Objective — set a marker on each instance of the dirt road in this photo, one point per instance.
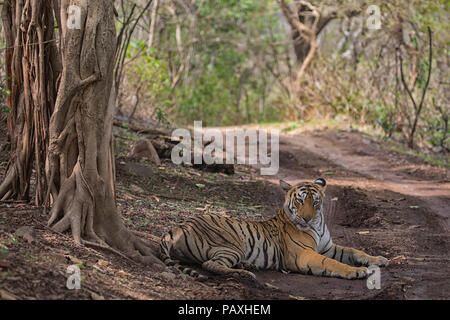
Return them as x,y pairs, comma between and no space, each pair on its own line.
378,201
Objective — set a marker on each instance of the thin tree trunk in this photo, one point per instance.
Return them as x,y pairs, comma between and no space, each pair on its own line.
136,104
154,18
417,106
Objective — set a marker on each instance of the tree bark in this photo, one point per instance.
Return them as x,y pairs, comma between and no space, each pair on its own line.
33,68
302,46
81,168
154,18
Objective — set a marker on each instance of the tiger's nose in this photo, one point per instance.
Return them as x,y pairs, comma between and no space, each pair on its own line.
307,219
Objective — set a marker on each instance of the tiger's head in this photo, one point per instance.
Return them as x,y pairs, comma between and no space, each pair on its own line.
303,202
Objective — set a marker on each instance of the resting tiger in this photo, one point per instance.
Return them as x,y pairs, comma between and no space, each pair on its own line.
296,240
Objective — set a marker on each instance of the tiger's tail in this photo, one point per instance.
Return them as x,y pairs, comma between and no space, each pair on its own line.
164,253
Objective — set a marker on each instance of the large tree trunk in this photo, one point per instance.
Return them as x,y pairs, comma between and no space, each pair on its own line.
32,69
80,167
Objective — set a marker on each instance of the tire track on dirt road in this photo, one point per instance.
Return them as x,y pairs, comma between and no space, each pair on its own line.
401,205
413,208
435,193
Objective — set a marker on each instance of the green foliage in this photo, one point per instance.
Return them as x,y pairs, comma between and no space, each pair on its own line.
4,250
292,126
435,132
5,109
222,83
81,266
384,118
225,90
146,70
4,93
231,62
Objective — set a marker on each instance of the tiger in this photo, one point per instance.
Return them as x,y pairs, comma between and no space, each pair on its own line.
295,240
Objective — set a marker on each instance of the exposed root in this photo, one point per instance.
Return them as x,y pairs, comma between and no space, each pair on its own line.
154,239
106,247
6,186
126,245
74,208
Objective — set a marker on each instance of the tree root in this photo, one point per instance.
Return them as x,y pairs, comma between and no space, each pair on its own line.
106,247
6,186
94,225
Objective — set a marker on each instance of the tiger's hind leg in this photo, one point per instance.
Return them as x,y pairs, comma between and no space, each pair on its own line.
175,266
222,263
246,266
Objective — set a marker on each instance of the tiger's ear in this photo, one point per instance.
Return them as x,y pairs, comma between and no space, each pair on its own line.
321,182
285,186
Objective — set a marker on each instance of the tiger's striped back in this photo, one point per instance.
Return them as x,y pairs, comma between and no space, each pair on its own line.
228,240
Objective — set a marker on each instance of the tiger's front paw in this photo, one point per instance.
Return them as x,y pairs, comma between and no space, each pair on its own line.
379,261
356,273
366,261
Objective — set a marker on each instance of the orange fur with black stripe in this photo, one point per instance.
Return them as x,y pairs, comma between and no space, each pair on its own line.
296,240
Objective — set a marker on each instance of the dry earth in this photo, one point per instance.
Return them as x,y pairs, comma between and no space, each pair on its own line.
382,202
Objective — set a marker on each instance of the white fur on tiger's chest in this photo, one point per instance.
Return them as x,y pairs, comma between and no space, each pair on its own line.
325,241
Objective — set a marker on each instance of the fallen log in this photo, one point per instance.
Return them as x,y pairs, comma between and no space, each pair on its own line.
160,144
141,129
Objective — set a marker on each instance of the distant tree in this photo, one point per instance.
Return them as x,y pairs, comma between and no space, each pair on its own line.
307,27
305,15
417,105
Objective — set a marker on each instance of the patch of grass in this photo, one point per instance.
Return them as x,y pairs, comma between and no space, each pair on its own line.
440,160
3,251
81,266
292,126
3,218
433,159
313,124
12,239
7,273
144,222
